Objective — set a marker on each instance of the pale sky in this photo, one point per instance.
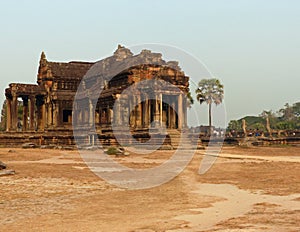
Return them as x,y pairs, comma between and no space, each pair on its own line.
252,46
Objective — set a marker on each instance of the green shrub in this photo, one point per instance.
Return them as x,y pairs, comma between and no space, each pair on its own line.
112,151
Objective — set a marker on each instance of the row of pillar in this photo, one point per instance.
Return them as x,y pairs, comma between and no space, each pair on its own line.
12,120
87,116
36,114
140,115
144,111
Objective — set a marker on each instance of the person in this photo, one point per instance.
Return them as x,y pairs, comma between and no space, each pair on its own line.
257,133
19,125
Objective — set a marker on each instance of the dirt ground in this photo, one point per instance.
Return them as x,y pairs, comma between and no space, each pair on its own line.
247,189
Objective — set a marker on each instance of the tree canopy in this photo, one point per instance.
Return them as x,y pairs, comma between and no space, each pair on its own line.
287,118
210,91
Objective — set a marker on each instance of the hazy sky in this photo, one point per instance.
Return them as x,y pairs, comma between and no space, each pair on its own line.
252,46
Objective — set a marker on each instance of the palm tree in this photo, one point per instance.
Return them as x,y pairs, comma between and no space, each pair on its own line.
190,100
210,91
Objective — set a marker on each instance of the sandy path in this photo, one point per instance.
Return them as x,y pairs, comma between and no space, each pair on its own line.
295,159
238,202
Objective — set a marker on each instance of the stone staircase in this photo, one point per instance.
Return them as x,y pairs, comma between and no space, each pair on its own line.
181,140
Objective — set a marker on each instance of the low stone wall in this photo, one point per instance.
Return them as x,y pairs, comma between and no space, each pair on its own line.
266,141
18,139
66,138
40,139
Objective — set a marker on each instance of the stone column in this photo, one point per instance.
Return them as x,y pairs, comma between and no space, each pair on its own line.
156,110
117,114
87,115
132,112
8,114
25,113
104,116
40,114
160,109
92,140
31,112
43,116
169,115
97,117
91,113
50,114
180,112
14,111
56,118
173,115
80,117
184,112
100,116
146,113
108,115
83,116
139,112
75,114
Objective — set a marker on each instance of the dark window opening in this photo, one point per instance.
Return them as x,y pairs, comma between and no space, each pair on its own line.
67,116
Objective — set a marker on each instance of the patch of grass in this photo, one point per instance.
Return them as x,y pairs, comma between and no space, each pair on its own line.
112,151
280,145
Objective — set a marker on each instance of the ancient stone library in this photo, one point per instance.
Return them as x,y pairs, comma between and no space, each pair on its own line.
43,113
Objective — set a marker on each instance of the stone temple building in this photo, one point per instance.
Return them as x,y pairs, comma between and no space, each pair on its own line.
48,107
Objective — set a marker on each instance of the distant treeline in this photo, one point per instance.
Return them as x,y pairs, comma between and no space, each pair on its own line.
287,118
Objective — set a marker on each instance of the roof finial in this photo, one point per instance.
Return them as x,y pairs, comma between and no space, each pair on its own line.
43,60
122,53
43,56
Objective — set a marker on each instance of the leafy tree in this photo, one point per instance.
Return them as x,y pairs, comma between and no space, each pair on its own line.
252,120
296,110
234,125
266,114
287,112
287,118
210,91
258,126
273,118
285,125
